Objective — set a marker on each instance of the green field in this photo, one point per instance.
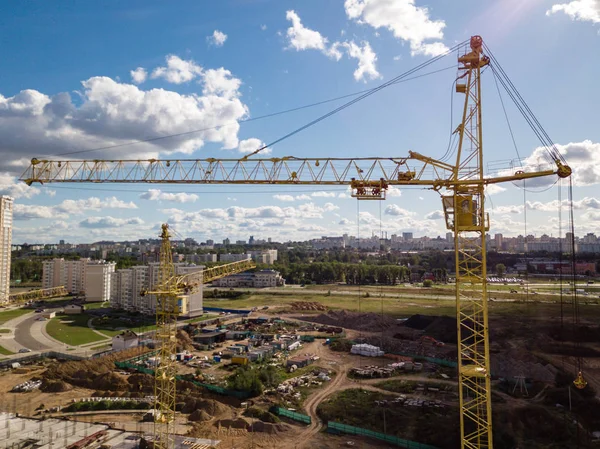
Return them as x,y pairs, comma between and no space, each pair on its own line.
14,313
5,351
4,331
74,331
201,318
400,307
96,305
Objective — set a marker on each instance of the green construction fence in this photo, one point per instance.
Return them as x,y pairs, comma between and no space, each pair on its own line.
279,411
334,427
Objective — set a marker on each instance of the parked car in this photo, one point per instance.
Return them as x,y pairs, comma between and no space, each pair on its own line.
42,318
23,350
39,310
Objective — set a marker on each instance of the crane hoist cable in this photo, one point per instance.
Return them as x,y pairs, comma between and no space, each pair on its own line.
356,100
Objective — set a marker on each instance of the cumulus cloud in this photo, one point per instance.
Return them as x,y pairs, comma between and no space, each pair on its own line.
93,203
217,39
286,198
584,10
344,222
328,207
507,209
435,215
367,60
177,70
493,189
112,113
252,144
396,210
30,212
11,186
583,158
302,38
158,195
109,222
139,75
323,194
263,27
406,21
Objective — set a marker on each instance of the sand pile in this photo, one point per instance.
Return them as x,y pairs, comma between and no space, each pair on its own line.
268,427
55,386
209,406
184,342
238,423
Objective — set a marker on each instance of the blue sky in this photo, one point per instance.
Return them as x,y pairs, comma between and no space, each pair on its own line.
80,75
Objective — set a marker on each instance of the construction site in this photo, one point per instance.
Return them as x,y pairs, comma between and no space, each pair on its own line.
480,365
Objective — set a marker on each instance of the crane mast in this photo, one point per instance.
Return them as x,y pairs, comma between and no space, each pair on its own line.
465,215
369,178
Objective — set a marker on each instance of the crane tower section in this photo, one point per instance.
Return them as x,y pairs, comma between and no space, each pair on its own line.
465,215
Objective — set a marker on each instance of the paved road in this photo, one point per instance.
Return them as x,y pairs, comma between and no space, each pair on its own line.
27,334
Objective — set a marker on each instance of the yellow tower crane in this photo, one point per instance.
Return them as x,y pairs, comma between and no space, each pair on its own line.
369,178
168,293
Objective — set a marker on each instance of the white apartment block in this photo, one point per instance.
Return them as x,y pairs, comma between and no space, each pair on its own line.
265,256
6,218
86,277
260,279
128,284
233,257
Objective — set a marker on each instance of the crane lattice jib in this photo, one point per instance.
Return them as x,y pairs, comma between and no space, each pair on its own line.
369,178
414,170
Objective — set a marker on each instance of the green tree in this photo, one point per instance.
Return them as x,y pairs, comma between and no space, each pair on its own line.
500,269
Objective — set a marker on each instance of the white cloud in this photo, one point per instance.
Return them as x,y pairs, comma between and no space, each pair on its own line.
323,194
493,189
11,186
109,222
404,19
30,212
139,75
302,38
158,195
110,113
328,207
393,191
286,198
583,158
263,27
367,60
507,209
584,10
217,39
178,70
344,222
396,210
93,203
303,197
252,144
553,206
435,215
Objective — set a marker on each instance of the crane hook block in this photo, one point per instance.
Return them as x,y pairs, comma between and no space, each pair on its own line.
580,382
563,171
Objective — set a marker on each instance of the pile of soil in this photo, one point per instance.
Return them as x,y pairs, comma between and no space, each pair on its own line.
199,415
208,406
238,423
54,386
109,381
357,321
307,305
184,342
442,328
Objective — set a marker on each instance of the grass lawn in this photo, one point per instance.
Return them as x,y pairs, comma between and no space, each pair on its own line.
5,351
97,305
4,331
14,313
74,331
98,347
402,307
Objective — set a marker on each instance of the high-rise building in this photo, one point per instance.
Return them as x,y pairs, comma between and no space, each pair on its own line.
406,236
80,277
6,217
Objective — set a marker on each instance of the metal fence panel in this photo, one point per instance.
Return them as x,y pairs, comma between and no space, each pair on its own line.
345,428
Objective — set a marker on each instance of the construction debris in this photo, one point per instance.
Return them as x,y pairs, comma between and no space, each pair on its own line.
306,305
26,386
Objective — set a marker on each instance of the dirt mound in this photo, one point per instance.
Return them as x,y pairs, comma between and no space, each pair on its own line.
208,406
55,386
306,305
199,415
184,342
109,381
357,321
84,373
269,428
141,382
238,423
442,328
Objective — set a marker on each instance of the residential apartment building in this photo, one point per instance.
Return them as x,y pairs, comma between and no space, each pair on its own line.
260,279
87,277
128,284
6,218
265,256
233,257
